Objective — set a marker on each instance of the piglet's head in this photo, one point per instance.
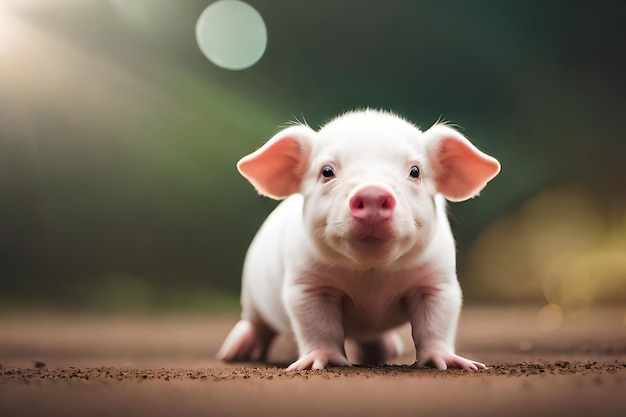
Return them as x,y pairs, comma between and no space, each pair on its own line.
369,180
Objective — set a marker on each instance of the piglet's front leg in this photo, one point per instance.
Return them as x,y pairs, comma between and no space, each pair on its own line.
316,320
434,313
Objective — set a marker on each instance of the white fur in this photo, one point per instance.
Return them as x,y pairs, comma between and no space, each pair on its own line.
314,272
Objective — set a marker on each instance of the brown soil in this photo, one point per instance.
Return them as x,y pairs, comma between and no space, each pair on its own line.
64,365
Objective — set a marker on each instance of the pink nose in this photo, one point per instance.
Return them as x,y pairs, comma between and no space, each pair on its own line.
372,204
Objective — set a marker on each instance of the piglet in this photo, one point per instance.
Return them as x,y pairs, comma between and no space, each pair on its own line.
360,245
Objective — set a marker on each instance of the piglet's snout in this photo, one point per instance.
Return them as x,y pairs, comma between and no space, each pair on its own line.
372,204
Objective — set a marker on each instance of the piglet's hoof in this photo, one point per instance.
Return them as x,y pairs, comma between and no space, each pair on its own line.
320,359
444,361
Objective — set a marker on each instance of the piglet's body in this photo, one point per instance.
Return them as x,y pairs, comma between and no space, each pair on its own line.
361,243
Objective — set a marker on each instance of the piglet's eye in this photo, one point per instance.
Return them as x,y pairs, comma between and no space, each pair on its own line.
328,172
414,172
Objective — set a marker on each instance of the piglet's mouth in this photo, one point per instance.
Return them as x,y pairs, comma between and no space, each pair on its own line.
372,240
373,235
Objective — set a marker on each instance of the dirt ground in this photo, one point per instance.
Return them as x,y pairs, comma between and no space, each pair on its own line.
76,365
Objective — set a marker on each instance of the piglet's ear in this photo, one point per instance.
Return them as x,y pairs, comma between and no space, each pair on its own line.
276,169
461,170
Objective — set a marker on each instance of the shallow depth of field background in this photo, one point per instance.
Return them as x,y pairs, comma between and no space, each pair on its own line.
119,139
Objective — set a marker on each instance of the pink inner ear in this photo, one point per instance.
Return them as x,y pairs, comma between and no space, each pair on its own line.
461,170
277,168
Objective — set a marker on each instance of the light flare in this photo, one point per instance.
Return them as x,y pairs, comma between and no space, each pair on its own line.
231,34
565,246
550,317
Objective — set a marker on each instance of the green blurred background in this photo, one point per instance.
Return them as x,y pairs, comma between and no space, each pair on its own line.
119,139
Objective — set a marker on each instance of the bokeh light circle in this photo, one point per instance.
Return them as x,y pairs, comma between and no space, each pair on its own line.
231,34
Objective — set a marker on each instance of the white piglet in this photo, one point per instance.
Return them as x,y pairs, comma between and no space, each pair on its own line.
361,244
